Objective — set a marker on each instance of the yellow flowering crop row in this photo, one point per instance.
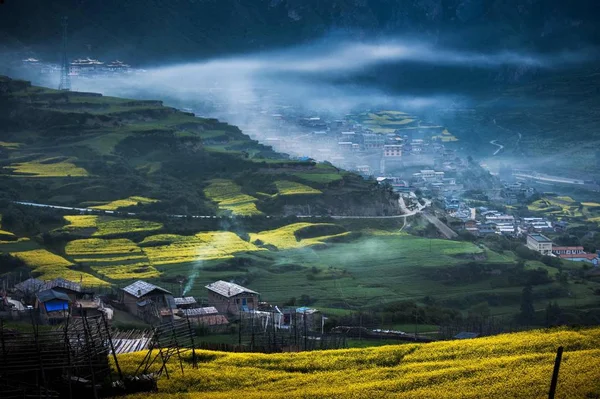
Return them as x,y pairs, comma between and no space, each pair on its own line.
45,168
115,259
108,226
284,238
229,196
285,187
506,366
171,248
122,203
50,266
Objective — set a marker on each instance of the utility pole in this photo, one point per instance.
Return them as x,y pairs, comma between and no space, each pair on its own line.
65,77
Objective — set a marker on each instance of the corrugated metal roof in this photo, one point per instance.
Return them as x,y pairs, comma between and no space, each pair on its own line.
186,300
61,283
29,285
228,290
141,288
48,295
200,311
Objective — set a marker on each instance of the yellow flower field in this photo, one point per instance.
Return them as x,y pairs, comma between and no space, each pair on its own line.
166,249
123,203
229,196
10,146
284,238
51,266
48,168
116,259
505,366
108,226
285,187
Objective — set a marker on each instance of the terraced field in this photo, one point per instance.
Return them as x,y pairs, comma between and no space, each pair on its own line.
100,226
285,187
229,196
285,237
49,266
48,167
566,207
505,366
165,249
116,259
123,203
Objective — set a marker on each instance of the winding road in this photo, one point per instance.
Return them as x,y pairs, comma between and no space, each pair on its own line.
500,146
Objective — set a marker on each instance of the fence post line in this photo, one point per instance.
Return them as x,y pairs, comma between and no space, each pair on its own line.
554,381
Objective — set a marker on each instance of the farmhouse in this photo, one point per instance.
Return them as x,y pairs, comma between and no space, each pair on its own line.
539,243
186,302
149,302
231,298
73,290
392,150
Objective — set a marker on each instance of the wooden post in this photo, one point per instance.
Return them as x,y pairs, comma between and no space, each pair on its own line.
112,347
554,381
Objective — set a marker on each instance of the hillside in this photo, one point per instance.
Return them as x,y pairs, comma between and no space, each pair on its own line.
505,366
87,150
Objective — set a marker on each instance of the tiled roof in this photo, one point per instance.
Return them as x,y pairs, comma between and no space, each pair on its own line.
228,290
29,285
61,283
141,288
578,248
200,311
186,300
578,256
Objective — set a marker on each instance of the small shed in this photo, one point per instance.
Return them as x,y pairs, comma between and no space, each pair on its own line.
53,306
186,302
231,298
207,316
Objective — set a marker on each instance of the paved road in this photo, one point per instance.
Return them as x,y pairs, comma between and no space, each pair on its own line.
500,146
106,212
445,230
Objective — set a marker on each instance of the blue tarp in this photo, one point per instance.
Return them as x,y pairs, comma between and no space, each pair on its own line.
56,305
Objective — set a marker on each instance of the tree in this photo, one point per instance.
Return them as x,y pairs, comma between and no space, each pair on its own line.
527,314
553,314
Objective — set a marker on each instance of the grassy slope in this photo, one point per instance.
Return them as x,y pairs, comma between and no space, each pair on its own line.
511,365
70,148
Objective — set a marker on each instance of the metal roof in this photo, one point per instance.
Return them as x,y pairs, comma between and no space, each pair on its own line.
61,283
141,288
186,300
48,295
228,290
200,311
29,285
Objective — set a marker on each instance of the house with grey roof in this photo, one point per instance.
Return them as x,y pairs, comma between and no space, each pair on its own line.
231,298
53,306
149,302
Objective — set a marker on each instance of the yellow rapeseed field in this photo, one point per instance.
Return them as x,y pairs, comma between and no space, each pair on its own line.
285,187
117,259
105,226
4,233
123,203
50,266
229,196
165,249
48,168
506,366
284,238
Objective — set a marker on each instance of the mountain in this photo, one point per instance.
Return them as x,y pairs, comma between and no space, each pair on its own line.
146,31
85,149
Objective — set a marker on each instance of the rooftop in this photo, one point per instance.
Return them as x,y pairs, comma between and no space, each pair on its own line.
29,285
49,295
141,288
186,300
209,310
60,283
228,290
540,237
